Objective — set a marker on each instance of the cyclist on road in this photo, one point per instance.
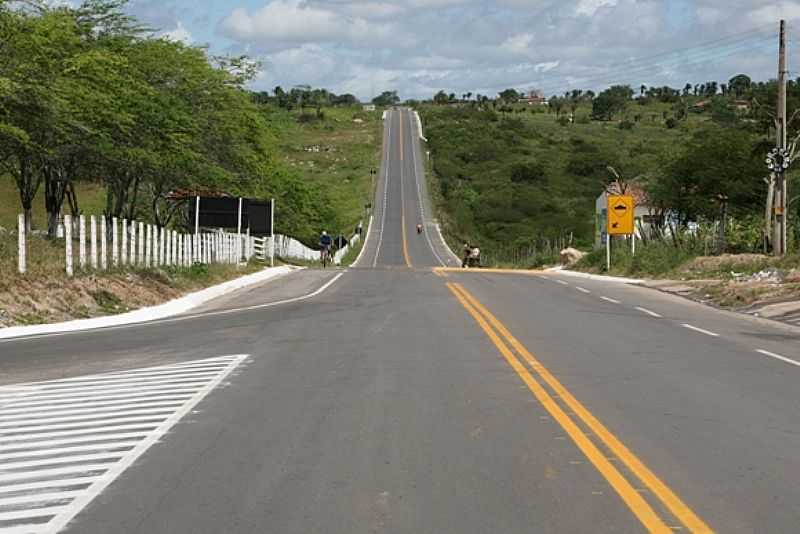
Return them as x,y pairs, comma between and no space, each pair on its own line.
325,245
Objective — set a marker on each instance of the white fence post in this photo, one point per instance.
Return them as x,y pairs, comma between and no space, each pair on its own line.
124,242
82,241
163,244
167,247
93,242
140,255
21,246
156,247
103,243
114,243
68,242
148,247
133,258
247,247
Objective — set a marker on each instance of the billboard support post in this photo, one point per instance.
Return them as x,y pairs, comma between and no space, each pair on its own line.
197,216
239,234
272,233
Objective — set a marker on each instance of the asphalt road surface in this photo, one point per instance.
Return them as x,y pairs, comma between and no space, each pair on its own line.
394,397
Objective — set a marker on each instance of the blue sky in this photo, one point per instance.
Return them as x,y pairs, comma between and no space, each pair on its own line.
420,46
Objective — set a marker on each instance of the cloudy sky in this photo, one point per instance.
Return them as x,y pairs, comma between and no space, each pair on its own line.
421,46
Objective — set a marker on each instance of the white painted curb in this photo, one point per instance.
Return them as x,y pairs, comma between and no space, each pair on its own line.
446,246
363,243
598,277
168,309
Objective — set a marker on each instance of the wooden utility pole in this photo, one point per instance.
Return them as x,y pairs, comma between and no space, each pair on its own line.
779,202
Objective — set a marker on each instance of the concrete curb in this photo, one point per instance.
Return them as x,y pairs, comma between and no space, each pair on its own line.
598,277
168,309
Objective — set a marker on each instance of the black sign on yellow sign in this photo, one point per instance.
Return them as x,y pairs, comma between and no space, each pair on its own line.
620,215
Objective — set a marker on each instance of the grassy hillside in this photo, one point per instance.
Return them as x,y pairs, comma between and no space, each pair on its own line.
521,182
332,155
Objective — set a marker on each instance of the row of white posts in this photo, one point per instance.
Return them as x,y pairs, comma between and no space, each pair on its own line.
142,245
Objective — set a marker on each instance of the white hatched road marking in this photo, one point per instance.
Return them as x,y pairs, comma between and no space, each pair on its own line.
63,441
583,290
562,282
612,301
648,312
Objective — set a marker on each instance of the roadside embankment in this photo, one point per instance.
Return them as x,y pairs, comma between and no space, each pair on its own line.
45,294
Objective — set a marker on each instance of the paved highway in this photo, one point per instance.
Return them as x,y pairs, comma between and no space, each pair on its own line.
405,396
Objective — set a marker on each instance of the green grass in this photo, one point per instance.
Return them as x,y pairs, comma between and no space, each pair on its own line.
348,150
91,200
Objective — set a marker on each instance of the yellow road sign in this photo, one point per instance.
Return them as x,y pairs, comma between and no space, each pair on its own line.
620,215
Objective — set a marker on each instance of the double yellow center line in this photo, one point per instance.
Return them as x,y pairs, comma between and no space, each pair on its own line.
505,342
402,200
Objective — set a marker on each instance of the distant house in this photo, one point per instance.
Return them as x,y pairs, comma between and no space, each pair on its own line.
701,105
644,220
369,107
742,105
533,98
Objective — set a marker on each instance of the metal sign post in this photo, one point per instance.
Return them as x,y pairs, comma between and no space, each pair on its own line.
272,233
619,215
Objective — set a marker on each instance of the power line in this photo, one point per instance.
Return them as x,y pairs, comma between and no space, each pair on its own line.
549,84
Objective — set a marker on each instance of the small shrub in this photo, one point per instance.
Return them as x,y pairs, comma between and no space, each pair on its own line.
671,123
626,125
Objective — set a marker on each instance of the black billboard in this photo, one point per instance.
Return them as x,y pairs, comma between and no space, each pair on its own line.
223,212
259,217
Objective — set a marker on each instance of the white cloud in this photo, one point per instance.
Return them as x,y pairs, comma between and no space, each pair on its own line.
518,44
283,22
421,46
180,33
775,11
590,7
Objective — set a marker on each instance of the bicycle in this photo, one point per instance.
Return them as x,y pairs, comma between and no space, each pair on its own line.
325,257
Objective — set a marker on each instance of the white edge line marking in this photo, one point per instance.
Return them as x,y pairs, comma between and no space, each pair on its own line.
778,357
648,312
612,301
183,317
706,332
64,517
364,243
387,155
414,148
582,290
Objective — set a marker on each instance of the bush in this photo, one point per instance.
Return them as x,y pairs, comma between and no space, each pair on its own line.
626,125
527,173
671,123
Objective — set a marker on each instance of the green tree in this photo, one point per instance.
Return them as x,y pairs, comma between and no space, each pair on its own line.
509,95
611,102
739,85
386,98
441,98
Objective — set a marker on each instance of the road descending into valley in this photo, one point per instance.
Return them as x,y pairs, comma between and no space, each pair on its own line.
404,395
